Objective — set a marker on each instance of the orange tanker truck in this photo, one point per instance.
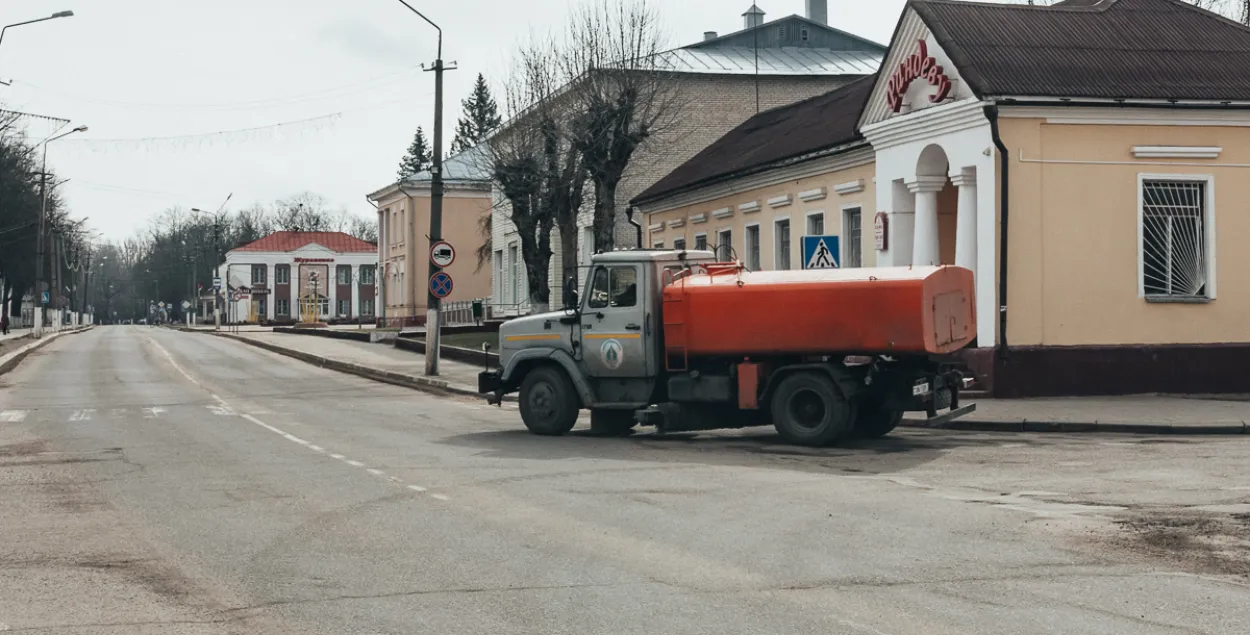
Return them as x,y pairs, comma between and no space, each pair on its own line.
679,341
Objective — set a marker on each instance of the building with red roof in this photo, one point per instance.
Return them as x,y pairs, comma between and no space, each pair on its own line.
280,277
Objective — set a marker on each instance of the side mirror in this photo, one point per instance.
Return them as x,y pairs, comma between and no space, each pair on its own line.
570,293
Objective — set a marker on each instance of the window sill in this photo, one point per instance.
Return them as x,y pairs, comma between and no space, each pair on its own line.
1163,299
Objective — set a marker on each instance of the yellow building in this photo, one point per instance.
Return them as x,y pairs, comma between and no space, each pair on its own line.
1091,174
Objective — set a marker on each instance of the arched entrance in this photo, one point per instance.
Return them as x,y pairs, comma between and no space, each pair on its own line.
936,203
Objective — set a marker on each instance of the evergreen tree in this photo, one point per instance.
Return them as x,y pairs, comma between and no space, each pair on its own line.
481,116
419,157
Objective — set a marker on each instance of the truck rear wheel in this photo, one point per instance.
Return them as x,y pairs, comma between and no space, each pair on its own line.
874,421
809,410
549,403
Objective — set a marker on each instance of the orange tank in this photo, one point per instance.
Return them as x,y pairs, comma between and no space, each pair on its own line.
887,311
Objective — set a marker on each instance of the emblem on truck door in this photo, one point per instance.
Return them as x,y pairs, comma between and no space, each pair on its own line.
613,354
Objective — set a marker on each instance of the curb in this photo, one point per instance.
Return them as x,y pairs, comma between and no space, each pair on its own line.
10,361
1075,426
433,386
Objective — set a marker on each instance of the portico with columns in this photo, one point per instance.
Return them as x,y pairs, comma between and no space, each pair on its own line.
935,167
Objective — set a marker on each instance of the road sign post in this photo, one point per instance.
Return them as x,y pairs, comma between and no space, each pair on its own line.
442,254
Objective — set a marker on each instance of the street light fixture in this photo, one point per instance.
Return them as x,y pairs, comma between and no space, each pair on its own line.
58,14
432,320
43,213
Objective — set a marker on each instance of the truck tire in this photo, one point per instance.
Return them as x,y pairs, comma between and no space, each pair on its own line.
873,421
809,410
549,403
612,423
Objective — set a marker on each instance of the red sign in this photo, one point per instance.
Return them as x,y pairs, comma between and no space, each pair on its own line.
918,66
881,230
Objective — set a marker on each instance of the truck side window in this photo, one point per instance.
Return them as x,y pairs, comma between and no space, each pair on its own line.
614,287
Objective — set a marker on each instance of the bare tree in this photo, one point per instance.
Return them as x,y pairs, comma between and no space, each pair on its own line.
622,94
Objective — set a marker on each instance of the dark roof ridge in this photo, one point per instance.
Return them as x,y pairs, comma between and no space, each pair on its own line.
1063,6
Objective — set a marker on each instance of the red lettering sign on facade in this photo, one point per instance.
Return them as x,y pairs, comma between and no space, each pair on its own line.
313,260
917,66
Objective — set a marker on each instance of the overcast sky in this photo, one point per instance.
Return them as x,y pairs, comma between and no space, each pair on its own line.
147,76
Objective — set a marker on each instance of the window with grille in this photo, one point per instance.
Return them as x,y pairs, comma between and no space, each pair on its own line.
816,224
700,241
724,245
1174,261
343,274
284,308
345,308
781,255
259,274
679,244
368,274
366,308
753,247
852,233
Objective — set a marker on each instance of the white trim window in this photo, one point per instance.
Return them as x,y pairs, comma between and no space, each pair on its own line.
679,244
1176,238
499,279
725,245
514,272
751,245
781,243
852,237
816,224
700,241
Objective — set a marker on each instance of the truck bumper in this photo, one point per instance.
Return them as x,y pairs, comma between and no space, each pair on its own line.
489,381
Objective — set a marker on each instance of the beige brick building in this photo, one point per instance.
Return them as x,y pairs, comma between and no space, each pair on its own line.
718,83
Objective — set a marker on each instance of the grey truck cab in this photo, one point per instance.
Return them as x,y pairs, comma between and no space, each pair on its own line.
602,352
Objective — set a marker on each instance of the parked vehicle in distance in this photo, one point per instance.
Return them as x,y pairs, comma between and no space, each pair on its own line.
679,341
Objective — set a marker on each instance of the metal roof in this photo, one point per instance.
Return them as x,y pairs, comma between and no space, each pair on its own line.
783,61
471,165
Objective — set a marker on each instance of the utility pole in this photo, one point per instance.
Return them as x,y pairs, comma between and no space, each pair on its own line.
40,261
432,318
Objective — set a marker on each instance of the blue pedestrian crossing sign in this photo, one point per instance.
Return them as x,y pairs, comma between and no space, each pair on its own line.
43,297
820,252
441,285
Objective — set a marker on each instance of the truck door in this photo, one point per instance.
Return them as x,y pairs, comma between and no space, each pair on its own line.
614,333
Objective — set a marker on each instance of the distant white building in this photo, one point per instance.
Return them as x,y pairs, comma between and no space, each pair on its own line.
724,81
331,271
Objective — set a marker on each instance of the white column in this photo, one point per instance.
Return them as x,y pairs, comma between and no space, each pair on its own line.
332,289
966,221
270,286
925,246
356,291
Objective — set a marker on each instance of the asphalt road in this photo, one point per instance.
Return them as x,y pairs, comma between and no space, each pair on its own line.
154,481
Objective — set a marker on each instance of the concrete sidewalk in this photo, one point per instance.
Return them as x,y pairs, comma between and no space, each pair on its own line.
1146,414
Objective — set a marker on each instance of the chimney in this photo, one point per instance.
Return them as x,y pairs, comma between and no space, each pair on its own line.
818,11
753,17
709,35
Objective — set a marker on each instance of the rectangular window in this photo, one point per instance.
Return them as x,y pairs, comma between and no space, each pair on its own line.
725,245
343,274
366,308
499,299
345,308
282,274
816,224
1175,218
325,306
368,274
700,241
515,270
259,274
262,309
804,34
753,247
781,251
679,244
283,308
852,237
615,287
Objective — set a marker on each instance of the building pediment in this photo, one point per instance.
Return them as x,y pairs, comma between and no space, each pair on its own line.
917,74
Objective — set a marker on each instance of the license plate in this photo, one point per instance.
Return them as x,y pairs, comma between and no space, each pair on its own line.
920,389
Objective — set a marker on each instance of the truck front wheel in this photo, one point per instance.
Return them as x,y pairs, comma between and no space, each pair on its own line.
549,403
809,410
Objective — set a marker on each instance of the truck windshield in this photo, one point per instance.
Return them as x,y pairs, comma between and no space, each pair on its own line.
614,287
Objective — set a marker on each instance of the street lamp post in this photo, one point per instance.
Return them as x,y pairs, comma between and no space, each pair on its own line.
432,325
43,214
216,256
58,14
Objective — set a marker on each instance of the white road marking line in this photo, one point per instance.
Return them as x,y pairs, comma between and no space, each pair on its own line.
82,415
355,464
117,413
153,413
173,363
396,480
220,410
317,448
337,456
416,488
376,472
439,497
13,416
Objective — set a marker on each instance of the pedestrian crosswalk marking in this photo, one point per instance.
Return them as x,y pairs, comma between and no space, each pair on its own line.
82,415
152,413
13,416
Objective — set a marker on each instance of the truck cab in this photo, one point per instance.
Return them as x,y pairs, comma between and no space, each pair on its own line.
605,347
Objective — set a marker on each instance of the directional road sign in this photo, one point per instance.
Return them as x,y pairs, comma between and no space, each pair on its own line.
162,305
820,252
186,305
442,254
441,285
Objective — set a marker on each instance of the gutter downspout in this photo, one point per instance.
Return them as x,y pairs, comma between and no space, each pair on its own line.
379,311
629,215
991,113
